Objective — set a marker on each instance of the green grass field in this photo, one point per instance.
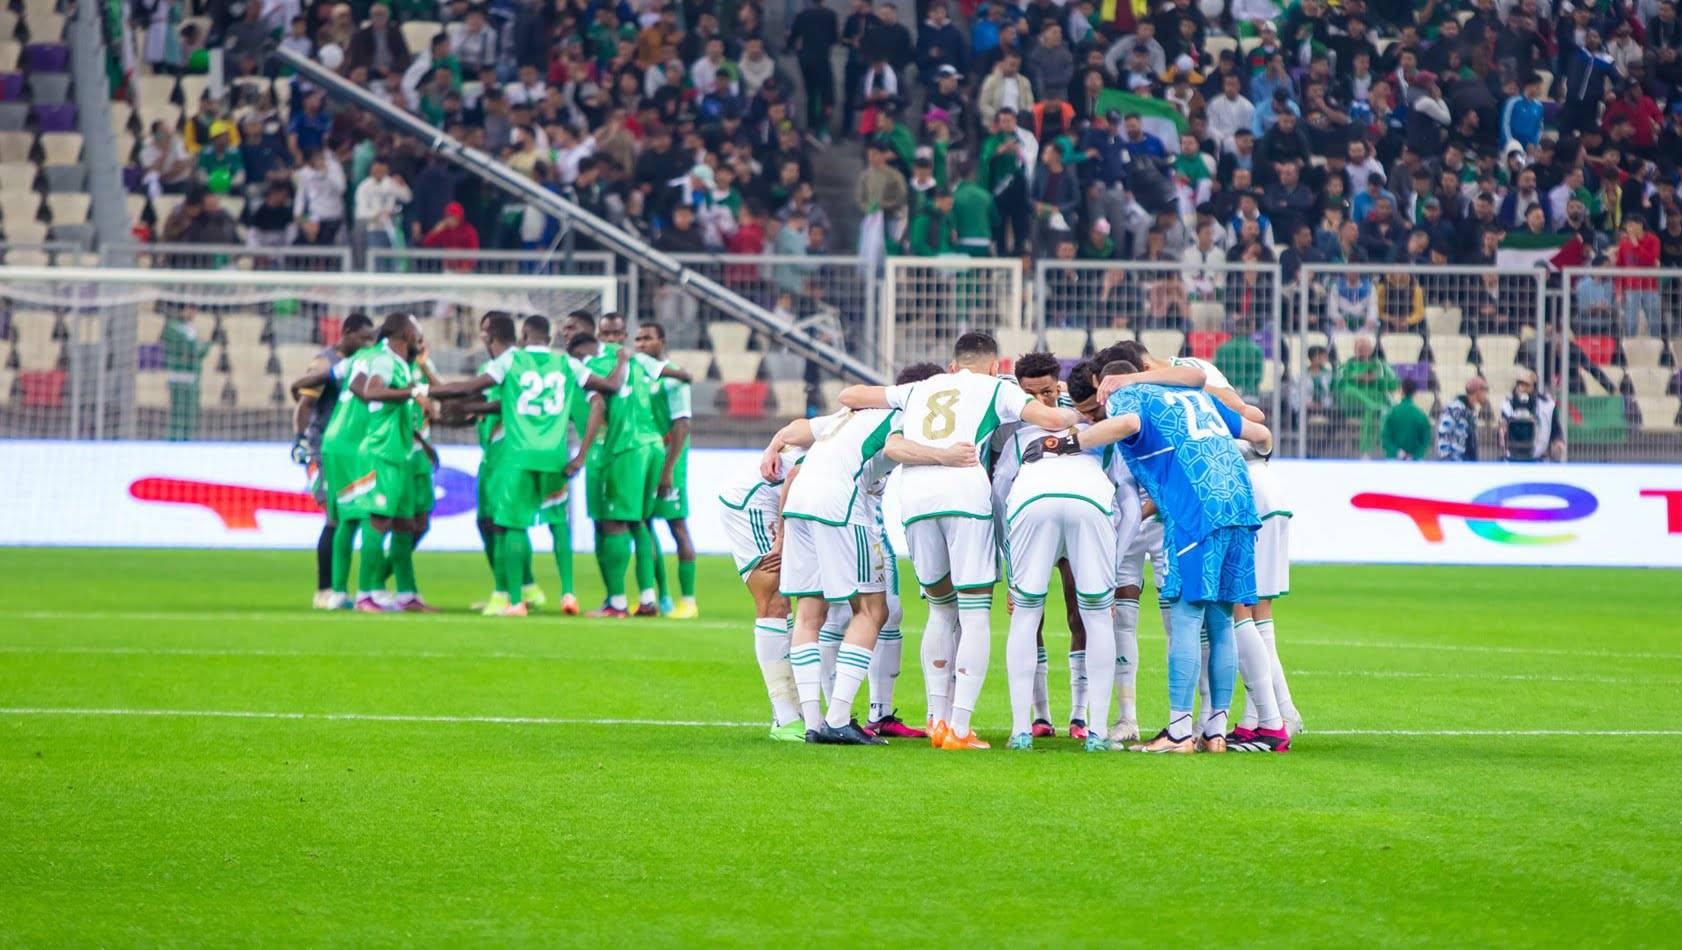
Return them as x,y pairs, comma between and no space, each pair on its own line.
189,757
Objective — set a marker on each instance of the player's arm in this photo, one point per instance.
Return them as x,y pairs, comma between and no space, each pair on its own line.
1229,397
463,387
865,397
315,379
797,433
1051,418
672,371
1242,427
612,381
592,429
906,452
675,437
374,389
1109,431
1189,376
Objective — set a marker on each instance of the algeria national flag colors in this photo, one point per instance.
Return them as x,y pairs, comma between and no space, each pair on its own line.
1158,117
1521,249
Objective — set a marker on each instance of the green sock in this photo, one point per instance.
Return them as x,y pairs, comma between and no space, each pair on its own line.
344,548
614,555
488,538
513,561
525,572
562,533
659,558
686,577
403,561
644,540
371,577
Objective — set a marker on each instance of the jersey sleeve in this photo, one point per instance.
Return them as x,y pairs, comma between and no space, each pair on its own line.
653,367
498,368
899,395
576,367
1213,377
380,365
1234,421
344,370
822,424
1009,400
1124,401
679,403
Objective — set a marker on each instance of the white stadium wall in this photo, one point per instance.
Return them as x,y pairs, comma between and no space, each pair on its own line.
239,495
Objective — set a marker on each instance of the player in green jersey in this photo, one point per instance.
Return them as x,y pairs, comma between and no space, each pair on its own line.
671,496
317,406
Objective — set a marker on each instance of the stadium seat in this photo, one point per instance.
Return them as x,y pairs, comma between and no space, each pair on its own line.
1642,350
1162,344
8,381
255,392
235,206
1452,348
1424,400
1452,376
1343,344
1204,343
88,329
1658,413
1497,351
1547,82
16,146
1402,347
151,390
1215,45
418,35
1650,380
1600,349
783,366
18,176
727,337
1437,322
27,257
1500,377
1065,342
790,395
193,89
243,330
33,332
295,359
10,52
65,177
214,390
829,394
69,207
283,94
704,398
1208,316
126,143
167,112
694,362
20,207
163,205
41,389
45,26
49,87
122,114
148,327
745,400
738,368
1014,343
61,148
136,207
151,92
14,116
1246,44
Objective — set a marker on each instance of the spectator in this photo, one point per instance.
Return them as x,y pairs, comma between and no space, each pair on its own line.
881,188
1352,304
1362,388
1055,193
1407,429
1051,66
221,168
1229,112
1006,172
1381,233
453,232
1457,430
378,198
1318,379
1589,71
939,45
1143,38
166,166
269,223
248,36
974,215
1638,295
931,230
378,46
1401,302
1529,429
1521,116
1004,88
814,32
887,40
321,194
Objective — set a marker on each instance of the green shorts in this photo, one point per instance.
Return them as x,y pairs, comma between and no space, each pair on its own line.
486,506
339,474
393,494
674,504
629,482
522,498
425,497
553,492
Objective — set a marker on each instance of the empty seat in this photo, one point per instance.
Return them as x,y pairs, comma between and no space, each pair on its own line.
126,143
738,368
790,396
830,393
61,148
27,257
1162,344
168,113
19,207
64,178
243,330
69,207
1650,380
10,51
1402,347
122,114
25,232
745,400
1066,342
16,146
163,205
1452,376
136,207
79,234
36,348
234,205
18,176
783,366
1497,350
149,91
1014,343
1658,413
1438,321
49,87
694,362
151,390
14,116
418,35
1204,343
148,327
1216,45
1207,316
295,359
1599,349
215,390
259,392
1500,377
45,26
1642,350
8,381
727,336
193,89
1450,349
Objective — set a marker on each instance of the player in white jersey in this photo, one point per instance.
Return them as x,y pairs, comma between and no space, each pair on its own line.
948,515
753,522
1267,698
829,554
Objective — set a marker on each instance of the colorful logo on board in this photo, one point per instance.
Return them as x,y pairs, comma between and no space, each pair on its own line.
238,505
1486,513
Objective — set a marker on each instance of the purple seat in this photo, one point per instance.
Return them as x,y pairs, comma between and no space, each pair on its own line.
151,356
1420,373
60,117
46,58
1066,363
11,87
1264,339
134,178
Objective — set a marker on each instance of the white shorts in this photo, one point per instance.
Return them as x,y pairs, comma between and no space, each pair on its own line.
830,561
1273,557
751,531
1130,561
1048,529
949,546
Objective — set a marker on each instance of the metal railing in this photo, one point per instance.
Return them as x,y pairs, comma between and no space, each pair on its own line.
177,256
1612,356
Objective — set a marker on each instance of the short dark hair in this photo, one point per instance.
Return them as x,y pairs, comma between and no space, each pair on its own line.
354,322
1037,365
585,317
1131,351
1080,382
580,340
538,324
499,326
1316,350
975,343
1119,368
394,323
659,331
1409,387
916,373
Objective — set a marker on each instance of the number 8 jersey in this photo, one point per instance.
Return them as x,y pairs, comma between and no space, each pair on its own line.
541,395
940,412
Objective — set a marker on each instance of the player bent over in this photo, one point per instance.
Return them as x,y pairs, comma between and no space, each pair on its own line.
948,515
330,421
753,522
1178,443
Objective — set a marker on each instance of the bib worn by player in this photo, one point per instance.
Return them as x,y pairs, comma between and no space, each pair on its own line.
947,512
540,396
623,468
388,442
829,549
673,401
341,440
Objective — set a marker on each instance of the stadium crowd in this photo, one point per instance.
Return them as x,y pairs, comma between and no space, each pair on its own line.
1361,131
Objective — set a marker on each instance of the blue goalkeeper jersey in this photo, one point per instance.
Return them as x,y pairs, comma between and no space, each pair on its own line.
1184,456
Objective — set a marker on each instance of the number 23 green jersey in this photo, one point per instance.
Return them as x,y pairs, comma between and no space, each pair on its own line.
541,396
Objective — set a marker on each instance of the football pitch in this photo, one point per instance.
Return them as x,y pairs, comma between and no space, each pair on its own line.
189,756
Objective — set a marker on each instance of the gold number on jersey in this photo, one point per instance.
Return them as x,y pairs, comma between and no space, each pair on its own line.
942,417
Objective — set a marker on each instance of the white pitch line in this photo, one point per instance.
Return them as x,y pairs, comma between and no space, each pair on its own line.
700,723
1497,677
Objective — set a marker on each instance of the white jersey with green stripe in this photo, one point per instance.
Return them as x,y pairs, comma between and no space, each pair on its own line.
1080,476
842,469
749,492
1261,480
940,412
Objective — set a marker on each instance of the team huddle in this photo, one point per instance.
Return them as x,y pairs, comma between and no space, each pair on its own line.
1127,457
622,417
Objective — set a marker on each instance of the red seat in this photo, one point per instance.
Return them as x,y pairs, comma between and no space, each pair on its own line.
42,389
330,329
1204,343
745,400
1600,349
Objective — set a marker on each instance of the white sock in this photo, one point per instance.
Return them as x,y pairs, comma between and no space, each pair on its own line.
974,648
1020,652
1256,666
936,653
1216,723
829,642
1042,693
1077,685
1281,689
804,660
1127,659
1100,652
1179,724
770,648
647,597
618,602
884,669
852,665
1202,725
